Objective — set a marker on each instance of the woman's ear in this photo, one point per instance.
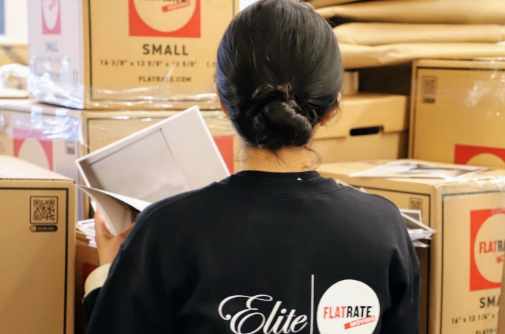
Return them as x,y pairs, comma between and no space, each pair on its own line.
333,112
225,110
328,116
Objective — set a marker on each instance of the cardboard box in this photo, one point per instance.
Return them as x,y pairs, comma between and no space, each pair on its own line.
372,126
457,111
92,54
54,137
466,254
38,249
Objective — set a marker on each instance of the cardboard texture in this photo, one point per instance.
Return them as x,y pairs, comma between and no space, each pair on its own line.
92,54
38,249
393,33
13,52
54,137
327,3
457,111
421,11
370,126
462,279
360,56
351,83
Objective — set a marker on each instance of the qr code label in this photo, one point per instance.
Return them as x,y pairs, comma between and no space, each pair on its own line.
44,210
429,89
416,203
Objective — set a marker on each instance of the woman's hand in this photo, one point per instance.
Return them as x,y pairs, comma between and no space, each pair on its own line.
107,243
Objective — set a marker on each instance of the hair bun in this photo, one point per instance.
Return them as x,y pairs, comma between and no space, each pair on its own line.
279,123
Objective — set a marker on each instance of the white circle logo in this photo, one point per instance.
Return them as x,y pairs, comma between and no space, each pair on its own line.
348,306
489,248
32,151
486,159
50,10
165,16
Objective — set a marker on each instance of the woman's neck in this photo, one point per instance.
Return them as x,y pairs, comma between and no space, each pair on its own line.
298,159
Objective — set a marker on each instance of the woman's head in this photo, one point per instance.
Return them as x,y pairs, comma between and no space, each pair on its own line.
279,73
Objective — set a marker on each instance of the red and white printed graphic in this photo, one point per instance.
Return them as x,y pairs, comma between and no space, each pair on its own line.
348,306
479,155
165,18
225,147
32,146
487,251
51,17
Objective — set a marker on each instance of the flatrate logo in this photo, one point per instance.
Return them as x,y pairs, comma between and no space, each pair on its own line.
487,249
175,18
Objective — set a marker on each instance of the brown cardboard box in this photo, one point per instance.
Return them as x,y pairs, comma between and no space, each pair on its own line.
37,249
93,54
365,33
457,112
372,126
363,56
466,254
420,11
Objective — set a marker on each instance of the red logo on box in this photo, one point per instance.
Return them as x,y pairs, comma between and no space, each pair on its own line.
51,17
487,248
27,145
464,153
169,18
225,146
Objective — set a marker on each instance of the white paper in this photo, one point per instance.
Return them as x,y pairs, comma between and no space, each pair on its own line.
417,230
412,169
115,208
413,221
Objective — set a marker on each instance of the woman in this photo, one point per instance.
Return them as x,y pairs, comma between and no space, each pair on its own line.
275,248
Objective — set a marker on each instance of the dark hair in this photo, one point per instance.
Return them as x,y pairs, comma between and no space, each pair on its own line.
279,72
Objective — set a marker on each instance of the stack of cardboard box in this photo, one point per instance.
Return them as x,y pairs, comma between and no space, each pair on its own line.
100,71
111,68
456,116
457,105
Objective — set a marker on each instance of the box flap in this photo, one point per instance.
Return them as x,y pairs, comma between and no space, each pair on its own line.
337,170
475,63
388,113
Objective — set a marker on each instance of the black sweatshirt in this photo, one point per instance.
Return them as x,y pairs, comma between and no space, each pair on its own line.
263,253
